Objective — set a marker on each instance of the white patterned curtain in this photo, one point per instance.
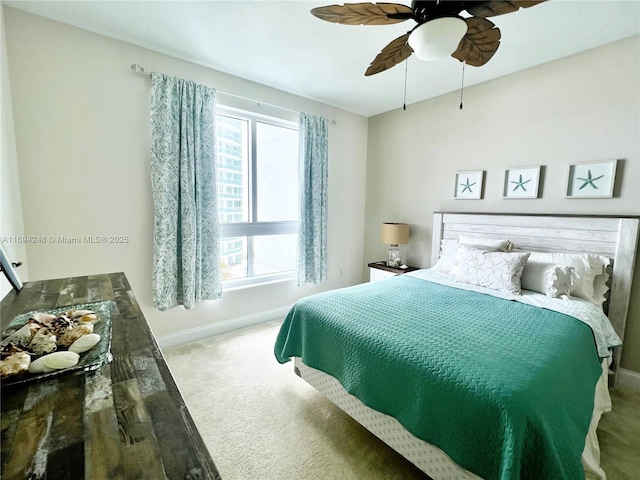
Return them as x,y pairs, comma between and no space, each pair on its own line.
186,235
313,140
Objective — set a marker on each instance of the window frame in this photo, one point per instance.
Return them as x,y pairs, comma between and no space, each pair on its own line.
252,227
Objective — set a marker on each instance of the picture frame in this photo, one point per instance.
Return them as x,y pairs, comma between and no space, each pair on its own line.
521,182
591,179
469,185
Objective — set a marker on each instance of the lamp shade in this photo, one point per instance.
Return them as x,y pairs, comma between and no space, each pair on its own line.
438,38
395,233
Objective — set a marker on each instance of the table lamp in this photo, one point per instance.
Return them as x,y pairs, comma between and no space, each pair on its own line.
394,234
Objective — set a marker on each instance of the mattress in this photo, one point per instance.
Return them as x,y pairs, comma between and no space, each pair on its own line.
471,382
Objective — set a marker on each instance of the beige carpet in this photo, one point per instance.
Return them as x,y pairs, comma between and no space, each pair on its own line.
261,421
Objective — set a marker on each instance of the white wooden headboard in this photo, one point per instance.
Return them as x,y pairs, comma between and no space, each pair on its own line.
613,237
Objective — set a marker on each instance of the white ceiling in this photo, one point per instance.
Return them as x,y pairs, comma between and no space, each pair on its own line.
280,44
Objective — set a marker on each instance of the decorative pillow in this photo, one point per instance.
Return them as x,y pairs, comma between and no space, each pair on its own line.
496,270
493,244
448,249
548,278
590,270
560,280
486,244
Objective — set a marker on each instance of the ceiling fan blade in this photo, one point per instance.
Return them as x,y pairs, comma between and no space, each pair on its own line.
364,13
479,44
394,53
495,8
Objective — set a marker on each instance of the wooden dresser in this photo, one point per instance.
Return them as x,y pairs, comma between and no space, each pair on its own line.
125,420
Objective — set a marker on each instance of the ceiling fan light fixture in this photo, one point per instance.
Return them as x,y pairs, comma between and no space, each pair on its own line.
437,38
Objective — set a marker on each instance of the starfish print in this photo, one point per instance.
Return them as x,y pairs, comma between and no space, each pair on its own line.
589,180
520,184
467,186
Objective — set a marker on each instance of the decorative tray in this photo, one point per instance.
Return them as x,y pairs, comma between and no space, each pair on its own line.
92,359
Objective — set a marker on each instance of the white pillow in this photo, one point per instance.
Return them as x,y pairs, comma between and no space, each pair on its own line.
496,270
590,270
448,249
487,244
600,287
548,278
560,281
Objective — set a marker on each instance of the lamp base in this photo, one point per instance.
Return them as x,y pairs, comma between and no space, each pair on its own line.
393,260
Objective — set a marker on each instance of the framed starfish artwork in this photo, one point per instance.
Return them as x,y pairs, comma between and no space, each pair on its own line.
591,180
469,185
521,182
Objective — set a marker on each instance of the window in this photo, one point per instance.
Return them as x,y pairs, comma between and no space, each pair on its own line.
258,197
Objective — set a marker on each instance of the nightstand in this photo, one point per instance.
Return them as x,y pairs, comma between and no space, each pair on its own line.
380,270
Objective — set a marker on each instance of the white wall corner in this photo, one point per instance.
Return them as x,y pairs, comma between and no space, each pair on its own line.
629,378
11,214
217,328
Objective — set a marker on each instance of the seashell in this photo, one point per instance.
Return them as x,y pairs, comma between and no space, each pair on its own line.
84,343
75,333
89,318
54,361
11,348
22,336
60,360
79,313
16,364
43,318
34,326
37,366
43,342
60,326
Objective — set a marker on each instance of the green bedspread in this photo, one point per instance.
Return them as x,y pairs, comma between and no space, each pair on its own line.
505,389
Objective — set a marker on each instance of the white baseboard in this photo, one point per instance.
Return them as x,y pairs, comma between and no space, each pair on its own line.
629,378
225,326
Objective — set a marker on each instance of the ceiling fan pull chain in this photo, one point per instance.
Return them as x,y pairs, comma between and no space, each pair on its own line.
406,66
462,87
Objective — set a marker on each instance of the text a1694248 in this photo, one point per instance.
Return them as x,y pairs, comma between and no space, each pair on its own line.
65,239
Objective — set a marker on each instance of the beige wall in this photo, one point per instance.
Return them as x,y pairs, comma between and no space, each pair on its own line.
582,108
82,135
11,221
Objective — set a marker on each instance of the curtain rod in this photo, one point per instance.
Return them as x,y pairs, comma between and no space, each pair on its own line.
140,69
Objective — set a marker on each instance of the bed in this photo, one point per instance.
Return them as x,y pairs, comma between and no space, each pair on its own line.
469,380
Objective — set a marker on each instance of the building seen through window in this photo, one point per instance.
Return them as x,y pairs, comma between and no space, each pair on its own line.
258,196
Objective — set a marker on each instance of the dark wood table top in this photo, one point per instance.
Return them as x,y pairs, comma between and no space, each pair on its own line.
125,420
382,265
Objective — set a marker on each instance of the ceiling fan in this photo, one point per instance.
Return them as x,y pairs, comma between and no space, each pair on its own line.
440,30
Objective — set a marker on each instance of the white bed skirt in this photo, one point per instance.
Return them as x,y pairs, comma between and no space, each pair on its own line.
427,457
